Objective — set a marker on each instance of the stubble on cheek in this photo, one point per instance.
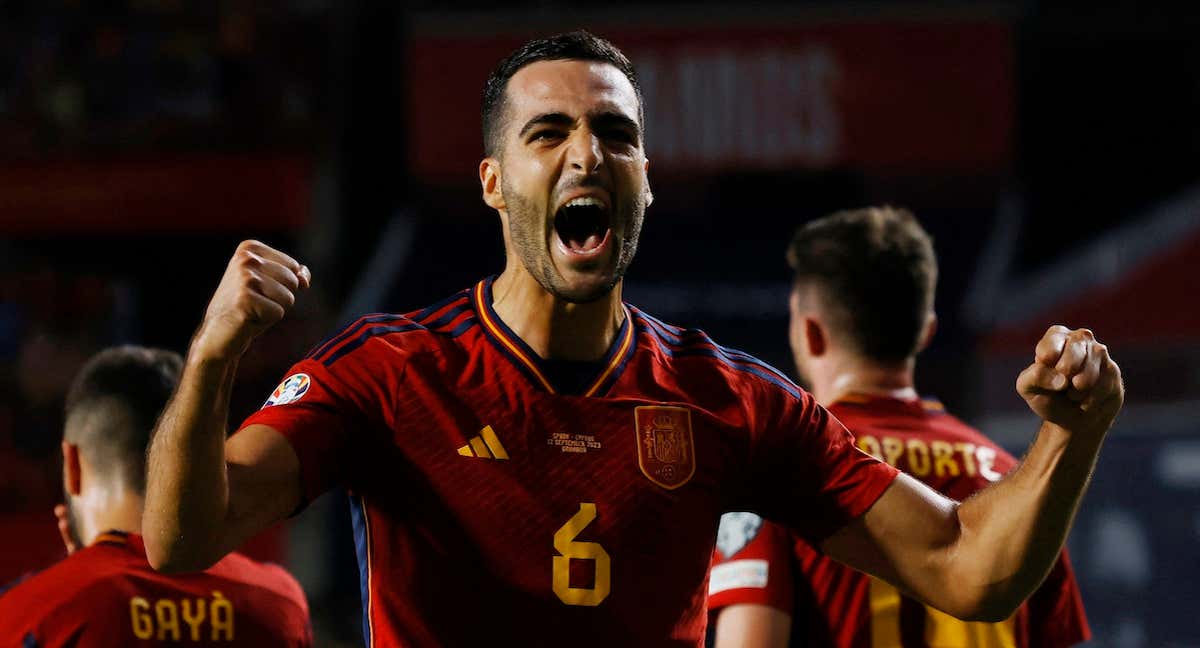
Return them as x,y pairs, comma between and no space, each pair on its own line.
529,241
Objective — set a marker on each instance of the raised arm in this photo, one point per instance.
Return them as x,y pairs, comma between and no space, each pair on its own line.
206,496
980,559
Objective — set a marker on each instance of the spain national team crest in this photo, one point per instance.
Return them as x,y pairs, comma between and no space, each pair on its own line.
292,389
666,453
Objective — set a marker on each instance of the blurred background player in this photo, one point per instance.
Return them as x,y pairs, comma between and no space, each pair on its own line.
861,309
105,593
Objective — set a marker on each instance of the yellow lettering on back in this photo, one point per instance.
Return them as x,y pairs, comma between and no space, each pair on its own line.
168,619
918,458
885,614
195,620
139,613
967,452
941,629
943,459
892,449
870,445
987,460
221,616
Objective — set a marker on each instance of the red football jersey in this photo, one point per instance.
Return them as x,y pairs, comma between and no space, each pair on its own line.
108,595
833,605
492,508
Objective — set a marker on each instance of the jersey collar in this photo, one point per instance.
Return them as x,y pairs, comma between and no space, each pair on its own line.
921,404
113,537
530,364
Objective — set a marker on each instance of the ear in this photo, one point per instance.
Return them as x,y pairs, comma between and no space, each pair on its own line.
72,470
489,179
649,194
815,338
931,324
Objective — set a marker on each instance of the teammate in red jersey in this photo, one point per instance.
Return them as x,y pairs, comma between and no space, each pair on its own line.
536,463
105,593
861,310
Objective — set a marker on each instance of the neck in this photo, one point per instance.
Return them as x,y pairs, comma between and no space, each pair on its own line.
117,509
857,376
554,328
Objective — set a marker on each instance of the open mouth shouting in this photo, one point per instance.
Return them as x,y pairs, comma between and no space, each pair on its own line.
583,228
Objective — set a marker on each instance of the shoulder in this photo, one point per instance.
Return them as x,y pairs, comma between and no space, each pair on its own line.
77,578
677,347
264,577
383,335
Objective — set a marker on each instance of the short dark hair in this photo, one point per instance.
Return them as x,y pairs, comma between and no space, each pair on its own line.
121,392
577,45
876,269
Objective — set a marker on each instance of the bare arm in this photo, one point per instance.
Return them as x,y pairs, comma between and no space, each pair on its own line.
752,625
205,496
980,559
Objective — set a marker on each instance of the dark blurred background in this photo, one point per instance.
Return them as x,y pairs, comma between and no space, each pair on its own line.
1053,150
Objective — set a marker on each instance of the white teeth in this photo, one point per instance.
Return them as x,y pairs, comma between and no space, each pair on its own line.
584,201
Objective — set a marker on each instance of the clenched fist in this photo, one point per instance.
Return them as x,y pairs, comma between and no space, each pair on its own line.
257,290
1072,382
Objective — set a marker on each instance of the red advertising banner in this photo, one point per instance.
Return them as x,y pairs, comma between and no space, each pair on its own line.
199,193
891,97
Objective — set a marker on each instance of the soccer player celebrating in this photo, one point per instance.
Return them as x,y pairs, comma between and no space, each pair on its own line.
861,309
535,462
105,593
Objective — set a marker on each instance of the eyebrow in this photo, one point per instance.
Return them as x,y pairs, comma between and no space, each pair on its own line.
606,118
619,120
548,119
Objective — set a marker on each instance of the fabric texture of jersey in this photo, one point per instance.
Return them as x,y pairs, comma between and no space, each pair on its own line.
490,507
107,595
834,606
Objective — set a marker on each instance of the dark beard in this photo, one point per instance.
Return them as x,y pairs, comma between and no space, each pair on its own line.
530,247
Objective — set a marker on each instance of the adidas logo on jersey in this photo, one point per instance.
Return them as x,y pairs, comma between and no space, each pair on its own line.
485,445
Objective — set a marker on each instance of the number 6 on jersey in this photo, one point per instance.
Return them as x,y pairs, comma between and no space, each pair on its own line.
564,543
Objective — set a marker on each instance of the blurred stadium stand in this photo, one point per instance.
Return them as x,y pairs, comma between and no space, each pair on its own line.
1051,148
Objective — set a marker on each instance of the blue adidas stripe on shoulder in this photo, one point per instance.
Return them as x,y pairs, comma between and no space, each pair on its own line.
675,346
381,318
348,331
424,313
358,335
700,337
448,317
366,334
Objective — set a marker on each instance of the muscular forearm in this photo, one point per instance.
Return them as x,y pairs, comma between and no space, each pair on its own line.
1012,532
980,559
187,489
193,514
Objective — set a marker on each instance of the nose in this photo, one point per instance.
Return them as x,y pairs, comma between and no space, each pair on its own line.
583,152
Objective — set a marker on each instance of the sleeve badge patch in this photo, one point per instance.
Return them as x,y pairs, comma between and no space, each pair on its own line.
736,531
292,389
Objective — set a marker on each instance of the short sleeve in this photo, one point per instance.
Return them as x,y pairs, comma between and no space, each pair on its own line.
1055,611
322,412
751,564
805,471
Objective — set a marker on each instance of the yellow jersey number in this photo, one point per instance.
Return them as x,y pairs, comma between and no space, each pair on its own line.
568,548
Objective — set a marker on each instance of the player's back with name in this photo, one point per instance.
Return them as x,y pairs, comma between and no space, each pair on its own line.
922,439
108,595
